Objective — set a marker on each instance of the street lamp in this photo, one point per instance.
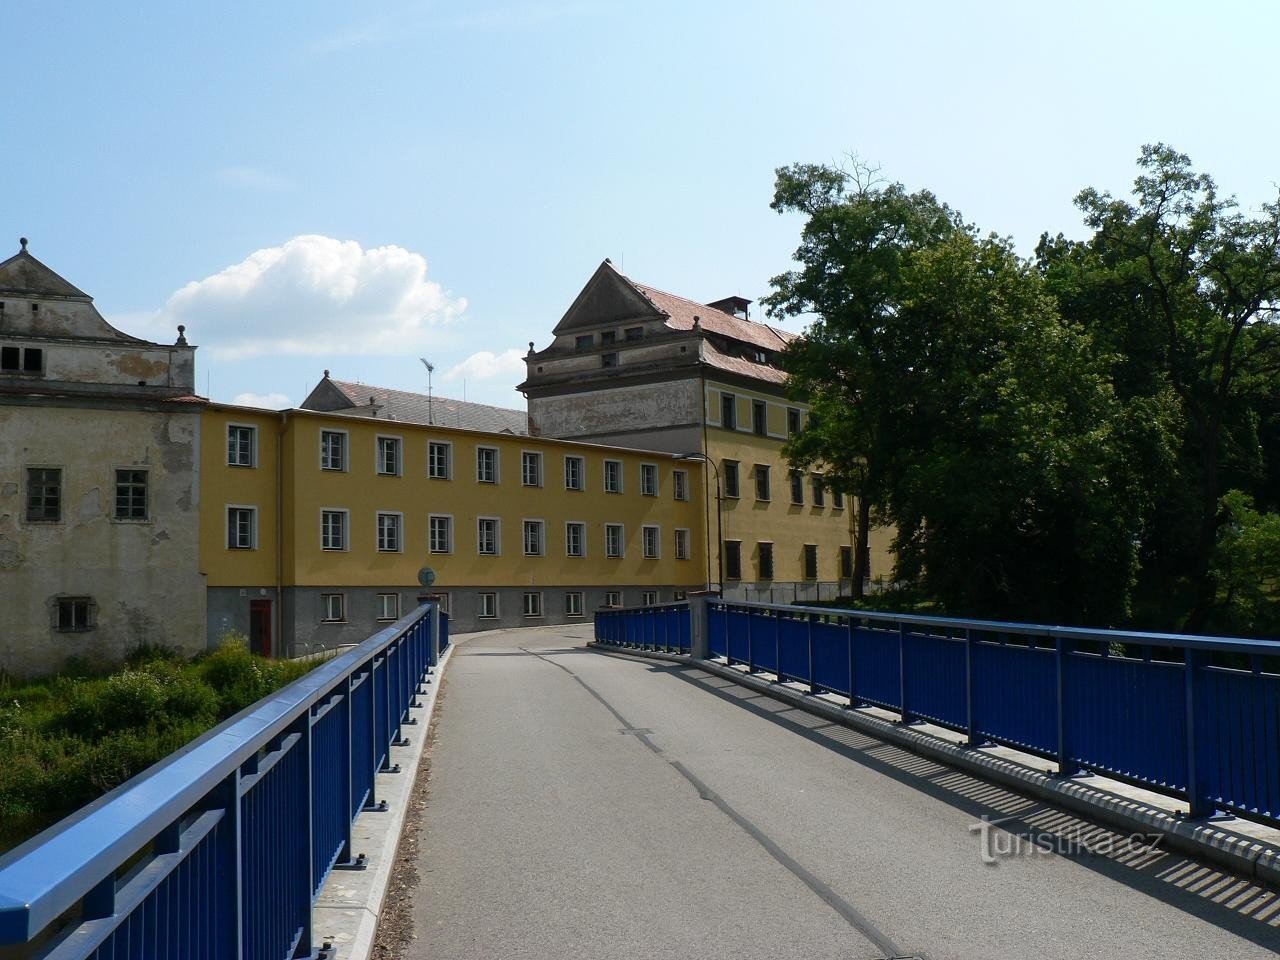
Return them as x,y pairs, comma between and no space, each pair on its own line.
719,522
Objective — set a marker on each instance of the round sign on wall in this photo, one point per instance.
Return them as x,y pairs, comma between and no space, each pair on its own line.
426,576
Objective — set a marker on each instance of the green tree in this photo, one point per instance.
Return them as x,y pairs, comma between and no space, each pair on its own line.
1246,565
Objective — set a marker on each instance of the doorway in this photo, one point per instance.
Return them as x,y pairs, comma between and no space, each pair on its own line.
260,627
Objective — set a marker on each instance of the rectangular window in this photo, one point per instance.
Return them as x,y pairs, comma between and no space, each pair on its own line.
333,450
439,460
44,494
488,606
762,482
837,499
733,560
608,360
575,539
648,598
10,359
613,598
633,333
764,556
819,491
442,601
389,532
32,360
333,607
584,341
439,534
811,561
648,479
389,456
388,606
682,544
73,614
21,359
680,484
609,336
242,524
131,494
797,486
573,604
732,487
533,538
728,411
574,473
793,421
613,476
532,603
759,418
613,540
487,464
531,469
846,563
241,446
652,540
333,529
487,536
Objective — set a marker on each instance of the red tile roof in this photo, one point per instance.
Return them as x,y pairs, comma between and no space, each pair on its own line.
680,312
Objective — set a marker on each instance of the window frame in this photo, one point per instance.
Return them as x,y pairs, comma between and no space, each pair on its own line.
809,561
497,537
612,595
379,462
381,615
609,552
526,458
683,543
617,468
728,405
650,480
732,559
732,469
793,421
431,532
648,598
764,549
572,608
398,517
344,445
796,481
432,447
27,515
345,526
497,463
759,418
146,494
253,445
489,601
253,526
539,610
72,603
680,484
581,528
326,607
533,523
760,473
581,467
819,491
646,531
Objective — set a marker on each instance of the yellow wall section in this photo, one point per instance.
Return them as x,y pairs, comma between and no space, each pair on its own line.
223,485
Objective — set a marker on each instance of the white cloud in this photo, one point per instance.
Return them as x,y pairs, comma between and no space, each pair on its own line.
486,365
253,178
271,401
313,295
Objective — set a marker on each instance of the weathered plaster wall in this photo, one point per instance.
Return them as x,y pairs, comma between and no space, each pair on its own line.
614,410
143,576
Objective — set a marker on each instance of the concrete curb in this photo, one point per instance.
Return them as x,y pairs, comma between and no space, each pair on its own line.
346,912
1232,851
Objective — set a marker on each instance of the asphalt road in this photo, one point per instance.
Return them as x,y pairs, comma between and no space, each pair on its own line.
588,805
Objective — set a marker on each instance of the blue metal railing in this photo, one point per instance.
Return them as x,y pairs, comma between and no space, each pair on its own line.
662,627
219,850
1196,718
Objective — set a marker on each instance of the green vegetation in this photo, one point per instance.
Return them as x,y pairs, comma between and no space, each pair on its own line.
1089,436
66,740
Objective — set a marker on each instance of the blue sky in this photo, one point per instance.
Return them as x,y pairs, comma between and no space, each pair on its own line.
311,184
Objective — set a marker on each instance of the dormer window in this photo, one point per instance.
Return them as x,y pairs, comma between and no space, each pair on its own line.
759,356
584,342
634,333
609,336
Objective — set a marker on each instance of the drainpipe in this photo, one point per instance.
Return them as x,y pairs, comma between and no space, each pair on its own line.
284,422
706,493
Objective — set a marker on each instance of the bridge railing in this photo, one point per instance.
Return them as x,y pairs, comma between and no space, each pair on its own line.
664,627
1197,718
219,850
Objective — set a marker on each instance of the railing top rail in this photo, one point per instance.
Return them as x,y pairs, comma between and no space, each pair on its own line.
650,606
46,875
1243,645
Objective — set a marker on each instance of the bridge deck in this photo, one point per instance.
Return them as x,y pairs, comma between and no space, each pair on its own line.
589,805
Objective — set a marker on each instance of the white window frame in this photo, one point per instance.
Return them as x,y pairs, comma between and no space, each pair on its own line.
537,611
379,464
253,525
647,531
346,450
432,445
573,604
525,460
488,599
448,532
253,444
609,551
683,542
326,608
648,489
526,525
443,601
497,463
581,526
497,537
648,598
345,515
399,527
581,463
616,465
613,598
680,484
381,613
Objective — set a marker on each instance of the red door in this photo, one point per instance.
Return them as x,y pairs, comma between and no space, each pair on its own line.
260,627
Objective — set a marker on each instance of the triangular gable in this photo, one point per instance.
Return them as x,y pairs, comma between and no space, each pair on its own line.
22,275
327,396
608,297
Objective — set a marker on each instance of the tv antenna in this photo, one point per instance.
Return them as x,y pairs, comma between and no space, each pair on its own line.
430,370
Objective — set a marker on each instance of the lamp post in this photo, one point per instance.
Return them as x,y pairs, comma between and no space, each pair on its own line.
719,522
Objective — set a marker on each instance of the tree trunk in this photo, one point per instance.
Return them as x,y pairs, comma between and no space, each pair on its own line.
861,550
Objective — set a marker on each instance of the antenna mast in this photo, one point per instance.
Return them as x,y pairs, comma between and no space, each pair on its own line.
430,370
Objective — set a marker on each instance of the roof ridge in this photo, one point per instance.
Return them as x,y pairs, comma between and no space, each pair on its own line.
434,396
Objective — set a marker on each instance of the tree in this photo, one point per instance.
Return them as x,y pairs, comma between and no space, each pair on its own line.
1246,564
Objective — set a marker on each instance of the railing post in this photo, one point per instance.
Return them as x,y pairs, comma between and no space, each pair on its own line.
435,634
902,673
751,666
1062,650
813,680
971,735
1199,803
699,629
853,698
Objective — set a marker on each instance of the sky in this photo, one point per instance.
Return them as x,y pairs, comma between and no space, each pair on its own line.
311,185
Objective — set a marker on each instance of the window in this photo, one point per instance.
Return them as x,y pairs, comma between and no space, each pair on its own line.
732,560
797,487
762,482
764,554
74,614
759,418
131,494
732,488
241,446
22,359
439,460
242,528
389,532
487,536
679,595
609,336
613,476
728,411
333,450
649,479
846,563
442,601
837,499
584,341
388,606
633,333
793,421
532,603
680,484
10,359
439,534
488,606
389,456
652,541
487,464
575,539
613,598
44,494
574,473
811,561
333,529
333,607
613,540
819,491
648,598
533,538
682,544
608,360
573,604
531,469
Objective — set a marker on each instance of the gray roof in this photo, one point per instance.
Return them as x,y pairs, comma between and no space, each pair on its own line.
413,408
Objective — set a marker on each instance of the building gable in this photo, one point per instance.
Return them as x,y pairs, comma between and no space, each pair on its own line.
607,298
